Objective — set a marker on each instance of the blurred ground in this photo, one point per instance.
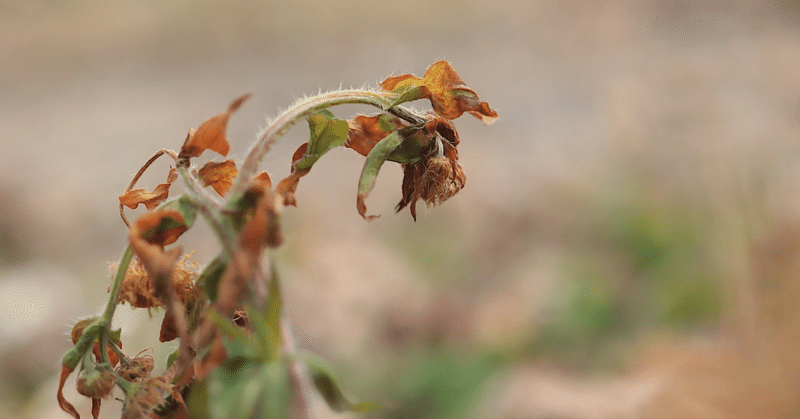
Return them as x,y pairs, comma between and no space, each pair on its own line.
626,246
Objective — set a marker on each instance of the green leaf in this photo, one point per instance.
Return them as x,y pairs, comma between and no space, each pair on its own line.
243,388
414,148
114,336
212,273
372,165
172,357
198,399
328,386
327,132
184,206
277,390
234,389
267,322
272,314
375,159
238,342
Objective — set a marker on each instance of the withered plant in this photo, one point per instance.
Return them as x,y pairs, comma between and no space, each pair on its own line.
235,355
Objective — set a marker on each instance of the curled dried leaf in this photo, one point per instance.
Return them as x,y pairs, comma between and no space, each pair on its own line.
448,94
210,135
327,132
169,328
150,199
287,187
218,175
62,401
366,131
372,165
160,228
262,229
263,180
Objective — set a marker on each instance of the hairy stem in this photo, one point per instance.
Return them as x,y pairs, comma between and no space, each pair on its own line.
292,116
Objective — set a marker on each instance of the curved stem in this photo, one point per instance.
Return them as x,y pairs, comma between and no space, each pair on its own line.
293,115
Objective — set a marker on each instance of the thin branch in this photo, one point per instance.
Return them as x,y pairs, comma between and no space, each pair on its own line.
113,295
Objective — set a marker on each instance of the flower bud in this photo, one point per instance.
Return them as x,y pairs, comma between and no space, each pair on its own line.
96,383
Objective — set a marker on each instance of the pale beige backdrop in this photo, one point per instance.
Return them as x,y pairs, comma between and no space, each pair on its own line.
626,245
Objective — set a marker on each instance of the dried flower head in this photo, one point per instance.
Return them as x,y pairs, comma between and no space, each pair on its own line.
138,291
146,396
96,382
437,177
136,368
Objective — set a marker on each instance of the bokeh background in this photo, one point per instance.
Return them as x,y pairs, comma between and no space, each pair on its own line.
627,244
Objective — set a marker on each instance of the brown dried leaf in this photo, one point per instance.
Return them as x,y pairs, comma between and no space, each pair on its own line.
62,401
448,94
263,227
218,175
263,180
151,200
287,187
210,135
95,408
159,228
169,331
366,131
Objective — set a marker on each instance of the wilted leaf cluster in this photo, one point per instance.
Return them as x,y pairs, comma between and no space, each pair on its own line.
233,359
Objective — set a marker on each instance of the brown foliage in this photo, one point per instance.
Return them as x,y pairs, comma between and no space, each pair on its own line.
366,131
287,187
150,199
448,94
218,175
62,402
210,135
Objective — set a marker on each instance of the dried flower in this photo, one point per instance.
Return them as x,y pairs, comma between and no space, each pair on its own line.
138,291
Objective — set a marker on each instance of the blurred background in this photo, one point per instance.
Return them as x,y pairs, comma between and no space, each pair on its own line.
627,244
